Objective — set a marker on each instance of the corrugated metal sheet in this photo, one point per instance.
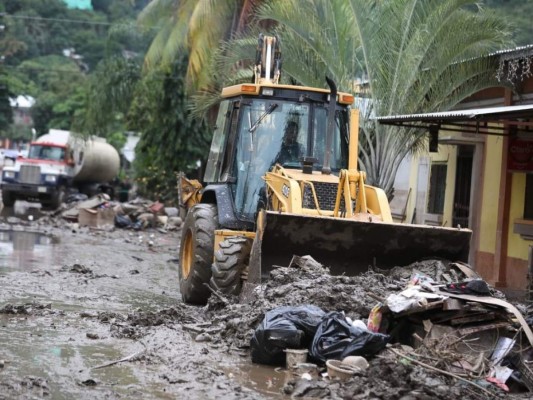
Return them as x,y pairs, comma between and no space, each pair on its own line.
464,115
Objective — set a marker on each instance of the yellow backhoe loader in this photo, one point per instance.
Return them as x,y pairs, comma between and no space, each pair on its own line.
282,180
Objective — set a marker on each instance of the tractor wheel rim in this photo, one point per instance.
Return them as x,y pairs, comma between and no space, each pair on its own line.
187,257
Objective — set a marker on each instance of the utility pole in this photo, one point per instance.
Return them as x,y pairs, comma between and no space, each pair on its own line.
6,112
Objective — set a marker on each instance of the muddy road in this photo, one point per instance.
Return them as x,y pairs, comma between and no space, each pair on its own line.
96,314
92,314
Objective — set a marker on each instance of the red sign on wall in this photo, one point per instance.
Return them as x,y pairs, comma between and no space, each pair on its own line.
520,155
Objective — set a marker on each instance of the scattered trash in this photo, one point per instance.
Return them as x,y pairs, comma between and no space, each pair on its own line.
99,216
92,336
89,382
306,368
356,362
295,357
476,286
99,211
336,339
449,339
284,328
123,221
71,198
338,369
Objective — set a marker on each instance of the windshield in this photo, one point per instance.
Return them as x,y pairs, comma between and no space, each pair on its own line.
41,152
274,131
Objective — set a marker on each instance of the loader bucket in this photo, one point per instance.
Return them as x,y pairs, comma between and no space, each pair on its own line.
348,246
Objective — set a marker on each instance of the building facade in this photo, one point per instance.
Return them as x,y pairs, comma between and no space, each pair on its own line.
481,177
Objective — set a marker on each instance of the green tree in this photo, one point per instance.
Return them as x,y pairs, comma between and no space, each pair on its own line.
518,13
196,27
170,141
6,113
110,92
409,54
154,104
57,84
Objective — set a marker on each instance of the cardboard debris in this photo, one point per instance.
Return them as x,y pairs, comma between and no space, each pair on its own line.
136,214
96,217
73,212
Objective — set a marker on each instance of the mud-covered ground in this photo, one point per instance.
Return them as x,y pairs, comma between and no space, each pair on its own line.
97,314
74,300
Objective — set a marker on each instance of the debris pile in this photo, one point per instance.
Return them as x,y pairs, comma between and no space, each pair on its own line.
100,212
441,319
27,309
435,329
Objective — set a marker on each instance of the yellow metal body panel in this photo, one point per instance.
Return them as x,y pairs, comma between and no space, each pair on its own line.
189,191
223,234
316,176
377,203
283,192
248,89
354,139
286,186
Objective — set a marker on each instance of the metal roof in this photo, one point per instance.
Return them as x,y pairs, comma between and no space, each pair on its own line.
472,121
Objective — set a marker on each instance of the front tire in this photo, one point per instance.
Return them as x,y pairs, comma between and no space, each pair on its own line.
196,252
8,199
57,198
231,259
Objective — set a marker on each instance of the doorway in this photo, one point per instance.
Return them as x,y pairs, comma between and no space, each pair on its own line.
463,185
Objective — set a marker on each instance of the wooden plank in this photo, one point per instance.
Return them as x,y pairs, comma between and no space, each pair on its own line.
452,304
481,328
473,318
496,302
430,306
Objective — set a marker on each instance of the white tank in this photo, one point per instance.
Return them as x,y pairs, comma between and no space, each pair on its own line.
99,162
95,160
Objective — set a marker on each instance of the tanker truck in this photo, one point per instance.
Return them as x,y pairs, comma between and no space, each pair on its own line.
57,163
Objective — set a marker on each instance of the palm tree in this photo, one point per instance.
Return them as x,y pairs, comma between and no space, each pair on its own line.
194,26
410,54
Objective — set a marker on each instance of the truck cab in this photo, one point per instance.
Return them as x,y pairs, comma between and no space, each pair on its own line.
43,175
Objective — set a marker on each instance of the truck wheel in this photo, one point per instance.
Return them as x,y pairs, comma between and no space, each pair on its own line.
231,259
57,198
196,252
8,199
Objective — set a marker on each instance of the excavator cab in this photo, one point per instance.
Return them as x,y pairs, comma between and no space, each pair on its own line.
259,127
282,180
257,133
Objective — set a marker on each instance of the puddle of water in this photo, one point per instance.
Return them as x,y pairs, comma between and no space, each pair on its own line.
24,250
61,354
24,210
264,379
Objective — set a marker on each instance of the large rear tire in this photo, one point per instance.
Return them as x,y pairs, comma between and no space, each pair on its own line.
196,252
231,259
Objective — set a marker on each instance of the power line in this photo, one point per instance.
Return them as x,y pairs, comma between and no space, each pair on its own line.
83,73
37,68
78,21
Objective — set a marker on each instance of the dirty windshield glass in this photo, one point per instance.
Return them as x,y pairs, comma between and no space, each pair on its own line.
280,132
47,153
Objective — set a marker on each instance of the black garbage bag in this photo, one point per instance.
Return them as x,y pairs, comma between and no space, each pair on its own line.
76,197
284,328
336,338
123,221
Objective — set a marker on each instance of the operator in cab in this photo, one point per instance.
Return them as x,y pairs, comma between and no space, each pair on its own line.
291,150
